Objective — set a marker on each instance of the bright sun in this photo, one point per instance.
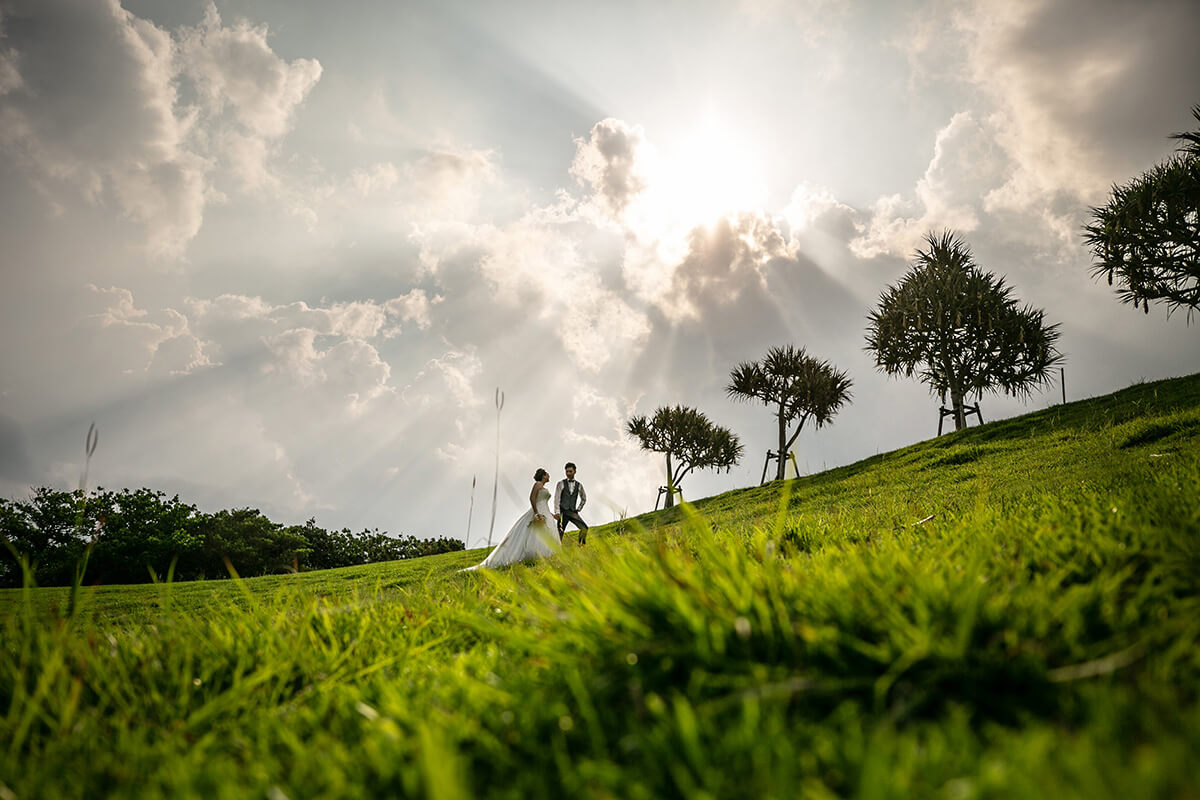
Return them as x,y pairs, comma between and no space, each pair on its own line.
712,172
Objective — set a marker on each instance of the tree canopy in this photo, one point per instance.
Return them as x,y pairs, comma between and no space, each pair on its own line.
798,386
1146,238
689,439
959,329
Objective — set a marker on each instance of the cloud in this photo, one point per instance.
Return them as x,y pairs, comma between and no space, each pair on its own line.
539,265
1117,71
596,325
234,67
449,183
181,354
449,378
248,95
355,368
723,260
230,307
91,109
810,206
443,183
1115,67
430,196
296,355
356,319
543,268
966,162
330,349
93,114
161,343
614,163
411,307
377,179
1065,98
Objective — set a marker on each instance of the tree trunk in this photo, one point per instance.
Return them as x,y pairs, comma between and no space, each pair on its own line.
781,464
670,484
960,416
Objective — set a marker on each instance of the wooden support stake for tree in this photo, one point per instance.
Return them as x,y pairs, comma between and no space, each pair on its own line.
773,456
663,490
944,412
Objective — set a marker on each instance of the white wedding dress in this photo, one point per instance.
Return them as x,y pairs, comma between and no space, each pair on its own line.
528,538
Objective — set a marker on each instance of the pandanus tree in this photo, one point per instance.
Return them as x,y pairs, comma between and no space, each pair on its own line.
690,441
959,329
1146,239
799,388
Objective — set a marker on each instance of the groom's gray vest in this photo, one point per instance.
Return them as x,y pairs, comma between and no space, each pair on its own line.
568,500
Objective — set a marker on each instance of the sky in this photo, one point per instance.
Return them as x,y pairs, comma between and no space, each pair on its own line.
285,254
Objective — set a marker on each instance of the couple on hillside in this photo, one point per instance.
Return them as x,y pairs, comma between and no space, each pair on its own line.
532,535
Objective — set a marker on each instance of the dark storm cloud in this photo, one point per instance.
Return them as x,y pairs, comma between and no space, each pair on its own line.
1139,59
1086,91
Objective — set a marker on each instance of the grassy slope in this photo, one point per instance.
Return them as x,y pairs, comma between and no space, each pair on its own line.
1013,610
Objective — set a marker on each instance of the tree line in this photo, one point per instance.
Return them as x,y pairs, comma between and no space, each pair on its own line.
135,536
956,327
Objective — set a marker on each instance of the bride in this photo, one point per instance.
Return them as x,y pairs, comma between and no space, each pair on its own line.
532,535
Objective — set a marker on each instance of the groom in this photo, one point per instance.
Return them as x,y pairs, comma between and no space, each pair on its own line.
569,499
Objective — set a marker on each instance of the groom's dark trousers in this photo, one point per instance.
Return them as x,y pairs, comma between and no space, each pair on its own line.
564,517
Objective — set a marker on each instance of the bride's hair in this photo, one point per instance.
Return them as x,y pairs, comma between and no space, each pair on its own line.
537,476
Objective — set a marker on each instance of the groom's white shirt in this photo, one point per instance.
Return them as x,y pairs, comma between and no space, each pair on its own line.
558,490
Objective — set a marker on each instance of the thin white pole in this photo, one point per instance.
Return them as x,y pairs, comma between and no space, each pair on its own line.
470,512
496,479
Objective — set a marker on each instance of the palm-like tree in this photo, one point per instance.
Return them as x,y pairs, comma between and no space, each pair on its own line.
798,387
689,439
1147,237
1190,139
959,330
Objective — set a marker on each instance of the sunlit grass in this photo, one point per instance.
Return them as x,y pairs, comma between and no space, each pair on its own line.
1008,611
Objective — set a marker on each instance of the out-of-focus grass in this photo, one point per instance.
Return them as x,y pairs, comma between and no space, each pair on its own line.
1008,611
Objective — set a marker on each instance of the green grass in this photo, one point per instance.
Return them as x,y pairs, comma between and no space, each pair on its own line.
1008,611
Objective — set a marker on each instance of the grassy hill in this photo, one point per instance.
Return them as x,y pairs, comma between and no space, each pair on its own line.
1009,611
